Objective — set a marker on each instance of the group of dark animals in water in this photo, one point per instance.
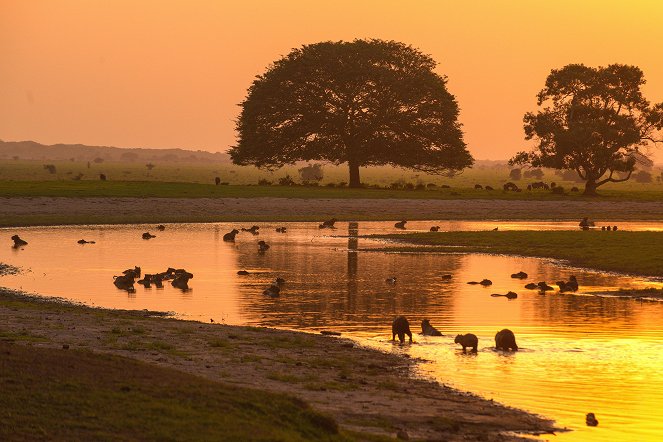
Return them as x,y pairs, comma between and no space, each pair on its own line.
504,339
179,278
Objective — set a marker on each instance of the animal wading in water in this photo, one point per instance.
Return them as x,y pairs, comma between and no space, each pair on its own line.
400,327
429,330
230,236
18,242
468,340
505,340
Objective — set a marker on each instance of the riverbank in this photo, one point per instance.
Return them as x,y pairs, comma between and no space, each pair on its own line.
27,211
368,393
638,253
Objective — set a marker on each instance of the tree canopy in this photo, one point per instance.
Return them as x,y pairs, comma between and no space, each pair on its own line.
364,103
594,121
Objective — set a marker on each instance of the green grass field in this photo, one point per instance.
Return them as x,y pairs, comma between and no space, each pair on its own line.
55,394
493,174
630,252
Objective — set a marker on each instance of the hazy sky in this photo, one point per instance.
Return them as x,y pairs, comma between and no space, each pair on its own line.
171,73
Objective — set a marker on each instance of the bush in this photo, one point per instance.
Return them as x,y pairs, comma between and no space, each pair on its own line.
558,190
431,186
409,186
534,173
420,186
642,177
311,173
515,174
287,181
264,182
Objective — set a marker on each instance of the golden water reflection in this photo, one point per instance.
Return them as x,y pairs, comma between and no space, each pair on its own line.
579,353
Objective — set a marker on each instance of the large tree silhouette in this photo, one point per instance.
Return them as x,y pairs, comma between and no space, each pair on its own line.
594,121
364,103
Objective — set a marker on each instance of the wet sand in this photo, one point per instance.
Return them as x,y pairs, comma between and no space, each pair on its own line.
363,389
56,210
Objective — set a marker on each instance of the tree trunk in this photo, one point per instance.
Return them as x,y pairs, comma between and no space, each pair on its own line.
354,174
590,188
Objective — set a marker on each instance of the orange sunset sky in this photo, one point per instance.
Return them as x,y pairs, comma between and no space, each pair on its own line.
171,73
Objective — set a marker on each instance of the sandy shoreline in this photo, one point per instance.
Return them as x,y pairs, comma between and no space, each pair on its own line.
363,389
56,210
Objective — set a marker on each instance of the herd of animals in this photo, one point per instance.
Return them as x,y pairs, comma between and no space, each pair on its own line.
504,339
513,187
179,278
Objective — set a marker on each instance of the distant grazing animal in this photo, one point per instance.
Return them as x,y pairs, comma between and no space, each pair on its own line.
529,187
161,227
18,242
435,229
510,187
445,186
391,280
585,223
146,281
478,186
124,282
486,282
82,241
575,189
230,236
614,228
429,330
603,228
447,276
509,295
531,286
329,224
148,235
519,275
262,246
488,188
400,224
102,177
242,272
495,229
468,340
590,420
280,229
505,340
217,180
400,327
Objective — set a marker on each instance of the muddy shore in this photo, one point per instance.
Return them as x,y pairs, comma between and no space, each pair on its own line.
57,210
362,389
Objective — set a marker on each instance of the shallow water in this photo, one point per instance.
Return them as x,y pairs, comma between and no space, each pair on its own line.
579,353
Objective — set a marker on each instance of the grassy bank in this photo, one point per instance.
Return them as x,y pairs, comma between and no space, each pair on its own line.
630,252
57,394
133,375
144,189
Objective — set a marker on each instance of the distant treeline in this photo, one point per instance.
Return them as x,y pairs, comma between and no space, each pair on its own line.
30,150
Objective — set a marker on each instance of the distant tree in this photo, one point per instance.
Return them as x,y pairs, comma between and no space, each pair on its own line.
642,177
515,174
594,121
287,181
364,103
537,174
311,173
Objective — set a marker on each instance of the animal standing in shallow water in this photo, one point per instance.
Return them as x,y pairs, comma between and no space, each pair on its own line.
18,242
400,327
82,241
519,275
400,224
468,341
428,330
590,420
435,229
161,227
391,280
148,235
509,295
505,340
230,236
329,224
262,246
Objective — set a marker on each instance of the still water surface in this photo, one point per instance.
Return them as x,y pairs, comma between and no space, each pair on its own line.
579,353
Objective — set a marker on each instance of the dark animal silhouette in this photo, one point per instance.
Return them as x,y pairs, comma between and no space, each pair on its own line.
279,281
435,229
447,277
467,341
603,228
161,227
18,242
124,282
281,229
505,340
614,228
488,188
230,236
568,286
531,286
486,282
242,272
575,189
510,187
102,177
253,230
585,223
181,279
262,246
519,275
478,186
217,180
509,295
133,273
82,241
429,330
400,327
391,280
148,235
146,281
590,420
329,224
273,291
400,224
544,287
